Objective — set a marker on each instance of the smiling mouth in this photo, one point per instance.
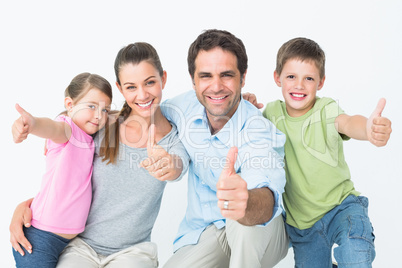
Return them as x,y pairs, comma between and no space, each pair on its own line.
298,95
144,105
217,99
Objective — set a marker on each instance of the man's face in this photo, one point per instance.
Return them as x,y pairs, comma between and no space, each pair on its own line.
218,83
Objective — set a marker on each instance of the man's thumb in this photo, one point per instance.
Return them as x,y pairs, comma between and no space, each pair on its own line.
230,161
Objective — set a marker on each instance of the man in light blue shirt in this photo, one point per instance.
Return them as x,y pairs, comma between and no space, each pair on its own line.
236,177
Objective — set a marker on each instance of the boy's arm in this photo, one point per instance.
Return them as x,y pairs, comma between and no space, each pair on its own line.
252,98
376,129
58,132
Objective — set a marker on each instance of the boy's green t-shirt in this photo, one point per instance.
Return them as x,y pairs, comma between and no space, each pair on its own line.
317,176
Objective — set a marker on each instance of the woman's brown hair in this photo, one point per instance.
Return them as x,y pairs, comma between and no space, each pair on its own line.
130,54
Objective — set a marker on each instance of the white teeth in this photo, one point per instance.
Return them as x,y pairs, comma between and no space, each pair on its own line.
217,98
145,104
298,95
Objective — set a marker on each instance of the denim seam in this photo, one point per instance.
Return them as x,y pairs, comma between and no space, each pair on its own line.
363,237
358,200
323,232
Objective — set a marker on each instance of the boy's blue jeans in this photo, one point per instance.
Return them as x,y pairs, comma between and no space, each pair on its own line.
46,248
347,225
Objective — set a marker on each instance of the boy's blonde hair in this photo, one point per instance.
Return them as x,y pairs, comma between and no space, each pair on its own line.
303,49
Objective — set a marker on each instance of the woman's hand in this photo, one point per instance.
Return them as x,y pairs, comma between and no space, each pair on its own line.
22,217
160,164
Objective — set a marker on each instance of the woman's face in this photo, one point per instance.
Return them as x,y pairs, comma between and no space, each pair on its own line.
141,86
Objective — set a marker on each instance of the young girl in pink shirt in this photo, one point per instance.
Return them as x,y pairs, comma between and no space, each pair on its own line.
60,209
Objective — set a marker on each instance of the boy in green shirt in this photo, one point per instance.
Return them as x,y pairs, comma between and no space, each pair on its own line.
322,206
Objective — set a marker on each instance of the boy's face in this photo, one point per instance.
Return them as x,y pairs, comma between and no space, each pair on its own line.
300,81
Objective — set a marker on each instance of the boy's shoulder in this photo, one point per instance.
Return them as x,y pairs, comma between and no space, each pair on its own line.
274,110
327,107
324,106
279,105
323,101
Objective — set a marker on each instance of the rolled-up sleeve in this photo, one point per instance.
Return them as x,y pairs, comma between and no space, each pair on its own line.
262,160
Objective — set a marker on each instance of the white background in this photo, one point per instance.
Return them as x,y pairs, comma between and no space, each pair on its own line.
45,44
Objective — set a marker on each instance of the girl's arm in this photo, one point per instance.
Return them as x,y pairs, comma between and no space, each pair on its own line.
376,129
58,132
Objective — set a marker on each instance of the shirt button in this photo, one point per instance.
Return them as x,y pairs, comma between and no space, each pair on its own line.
202,182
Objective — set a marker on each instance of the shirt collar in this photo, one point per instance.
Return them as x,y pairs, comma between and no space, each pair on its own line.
200,114
234,125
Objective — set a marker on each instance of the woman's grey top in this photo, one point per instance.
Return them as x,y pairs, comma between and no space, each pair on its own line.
125,198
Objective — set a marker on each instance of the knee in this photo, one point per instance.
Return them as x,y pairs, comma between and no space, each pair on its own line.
238,232
357,245
356,251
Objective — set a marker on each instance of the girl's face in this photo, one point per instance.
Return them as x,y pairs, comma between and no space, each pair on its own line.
90,112
141,86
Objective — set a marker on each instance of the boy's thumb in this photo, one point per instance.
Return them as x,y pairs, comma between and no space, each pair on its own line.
380,107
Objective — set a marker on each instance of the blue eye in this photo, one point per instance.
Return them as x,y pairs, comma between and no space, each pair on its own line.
92,107
105,111
310,79
290,76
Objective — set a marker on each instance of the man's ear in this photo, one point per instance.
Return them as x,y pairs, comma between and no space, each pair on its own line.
243,79
192,81
277,79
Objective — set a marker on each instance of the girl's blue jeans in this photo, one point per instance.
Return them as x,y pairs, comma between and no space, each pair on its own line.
46,248
346,225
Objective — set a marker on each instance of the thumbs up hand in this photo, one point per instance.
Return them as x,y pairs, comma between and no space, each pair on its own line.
232,190
23,125
160,164
378,128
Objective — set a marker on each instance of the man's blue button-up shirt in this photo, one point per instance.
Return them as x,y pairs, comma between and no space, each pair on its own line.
259,161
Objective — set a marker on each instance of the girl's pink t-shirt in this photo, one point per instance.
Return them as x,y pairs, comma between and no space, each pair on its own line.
63,203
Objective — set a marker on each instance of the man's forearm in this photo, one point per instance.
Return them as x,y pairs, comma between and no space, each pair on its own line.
260,206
